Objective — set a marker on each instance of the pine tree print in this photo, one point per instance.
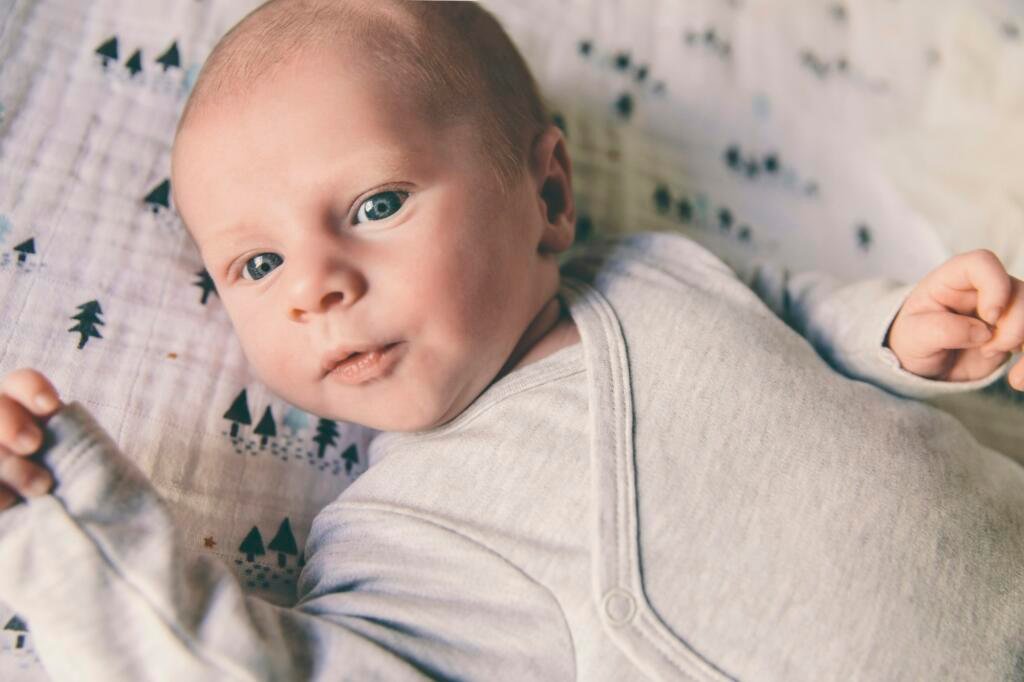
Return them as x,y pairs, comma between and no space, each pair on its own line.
864,237
134,63
283,543
108,51
252,545
351,457
25,249
159,196
624,105
326,432
662,199
170,58
205,282
238,413
16,624
88,317
266,427
296,420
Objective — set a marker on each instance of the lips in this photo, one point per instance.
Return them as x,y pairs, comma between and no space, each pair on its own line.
345,355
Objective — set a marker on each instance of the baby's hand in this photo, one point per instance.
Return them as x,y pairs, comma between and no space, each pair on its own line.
26,399
940,331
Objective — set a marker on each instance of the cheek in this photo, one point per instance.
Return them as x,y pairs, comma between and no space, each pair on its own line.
459,291
267,353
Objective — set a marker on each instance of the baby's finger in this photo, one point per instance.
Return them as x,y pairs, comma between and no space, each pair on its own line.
33,390
979,270
938,331
1009,333
24,477
19,432
1016,376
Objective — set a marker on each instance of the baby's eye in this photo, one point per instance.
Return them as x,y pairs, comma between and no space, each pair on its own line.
381,205
258,266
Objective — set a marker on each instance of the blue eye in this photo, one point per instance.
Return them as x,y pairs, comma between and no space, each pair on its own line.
258,266
381,205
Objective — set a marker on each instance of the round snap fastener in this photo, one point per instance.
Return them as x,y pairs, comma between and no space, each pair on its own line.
619,605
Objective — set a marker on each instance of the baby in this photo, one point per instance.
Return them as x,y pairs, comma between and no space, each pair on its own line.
631,463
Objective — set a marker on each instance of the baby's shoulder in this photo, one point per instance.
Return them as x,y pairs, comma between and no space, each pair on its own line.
668,253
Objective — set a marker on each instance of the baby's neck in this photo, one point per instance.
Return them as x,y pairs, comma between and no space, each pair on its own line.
551,330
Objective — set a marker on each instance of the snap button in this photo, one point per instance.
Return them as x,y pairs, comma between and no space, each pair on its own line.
619,605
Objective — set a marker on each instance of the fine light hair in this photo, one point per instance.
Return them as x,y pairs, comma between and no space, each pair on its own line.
453,59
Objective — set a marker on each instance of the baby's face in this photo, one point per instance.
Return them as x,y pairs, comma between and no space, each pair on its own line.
331,217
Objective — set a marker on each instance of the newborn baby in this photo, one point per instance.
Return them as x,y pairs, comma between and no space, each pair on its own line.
623,462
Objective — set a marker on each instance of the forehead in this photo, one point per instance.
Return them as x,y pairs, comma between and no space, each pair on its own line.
310,126
305,103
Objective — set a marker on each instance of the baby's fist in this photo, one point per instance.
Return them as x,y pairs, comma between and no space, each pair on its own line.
941,331
26,399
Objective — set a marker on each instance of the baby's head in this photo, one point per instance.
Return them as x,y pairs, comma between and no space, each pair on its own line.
362,174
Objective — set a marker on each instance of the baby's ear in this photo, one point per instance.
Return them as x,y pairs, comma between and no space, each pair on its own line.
552,175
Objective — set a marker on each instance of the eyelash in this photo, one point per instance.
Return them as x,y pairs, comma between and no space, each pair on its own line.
239,270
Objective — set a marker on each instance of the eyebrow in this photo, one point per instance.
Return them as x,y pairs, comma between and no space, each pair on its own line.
390,164
223,245
233,234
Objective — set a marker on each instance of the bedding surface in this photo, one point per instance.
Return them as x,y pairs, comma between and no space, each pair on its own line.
860,138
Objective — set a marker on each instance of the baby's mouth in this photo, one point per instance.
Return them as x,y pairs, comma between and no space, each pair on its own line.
359,365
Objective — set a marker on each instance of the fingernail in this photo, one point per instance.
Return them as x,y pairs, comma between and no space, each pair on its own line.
993,315
990,353
979,334
46,402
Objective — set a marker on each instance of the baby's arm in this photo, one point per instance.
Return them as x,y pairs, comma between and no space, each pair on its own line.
849,325
97,571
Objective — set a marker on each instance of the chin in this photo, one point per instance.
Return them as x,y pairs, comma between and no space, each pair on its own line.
400,424
404,409
406,417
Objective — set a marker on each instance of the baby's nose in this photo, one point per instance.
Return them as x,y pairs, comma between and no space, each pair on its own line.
316,288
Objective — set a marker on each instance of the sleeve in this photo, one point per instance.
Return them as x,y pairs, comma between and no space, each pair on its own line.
97,571
848,324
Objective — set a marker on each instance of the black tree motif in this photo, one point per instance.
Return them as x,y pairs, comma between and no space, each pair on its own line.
326,432
108,51
351,457
662,199
252,545
170,57
159,196
88,317
205,282
863,237
266,427
25,249
16,624
238,413
134,63
283,543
